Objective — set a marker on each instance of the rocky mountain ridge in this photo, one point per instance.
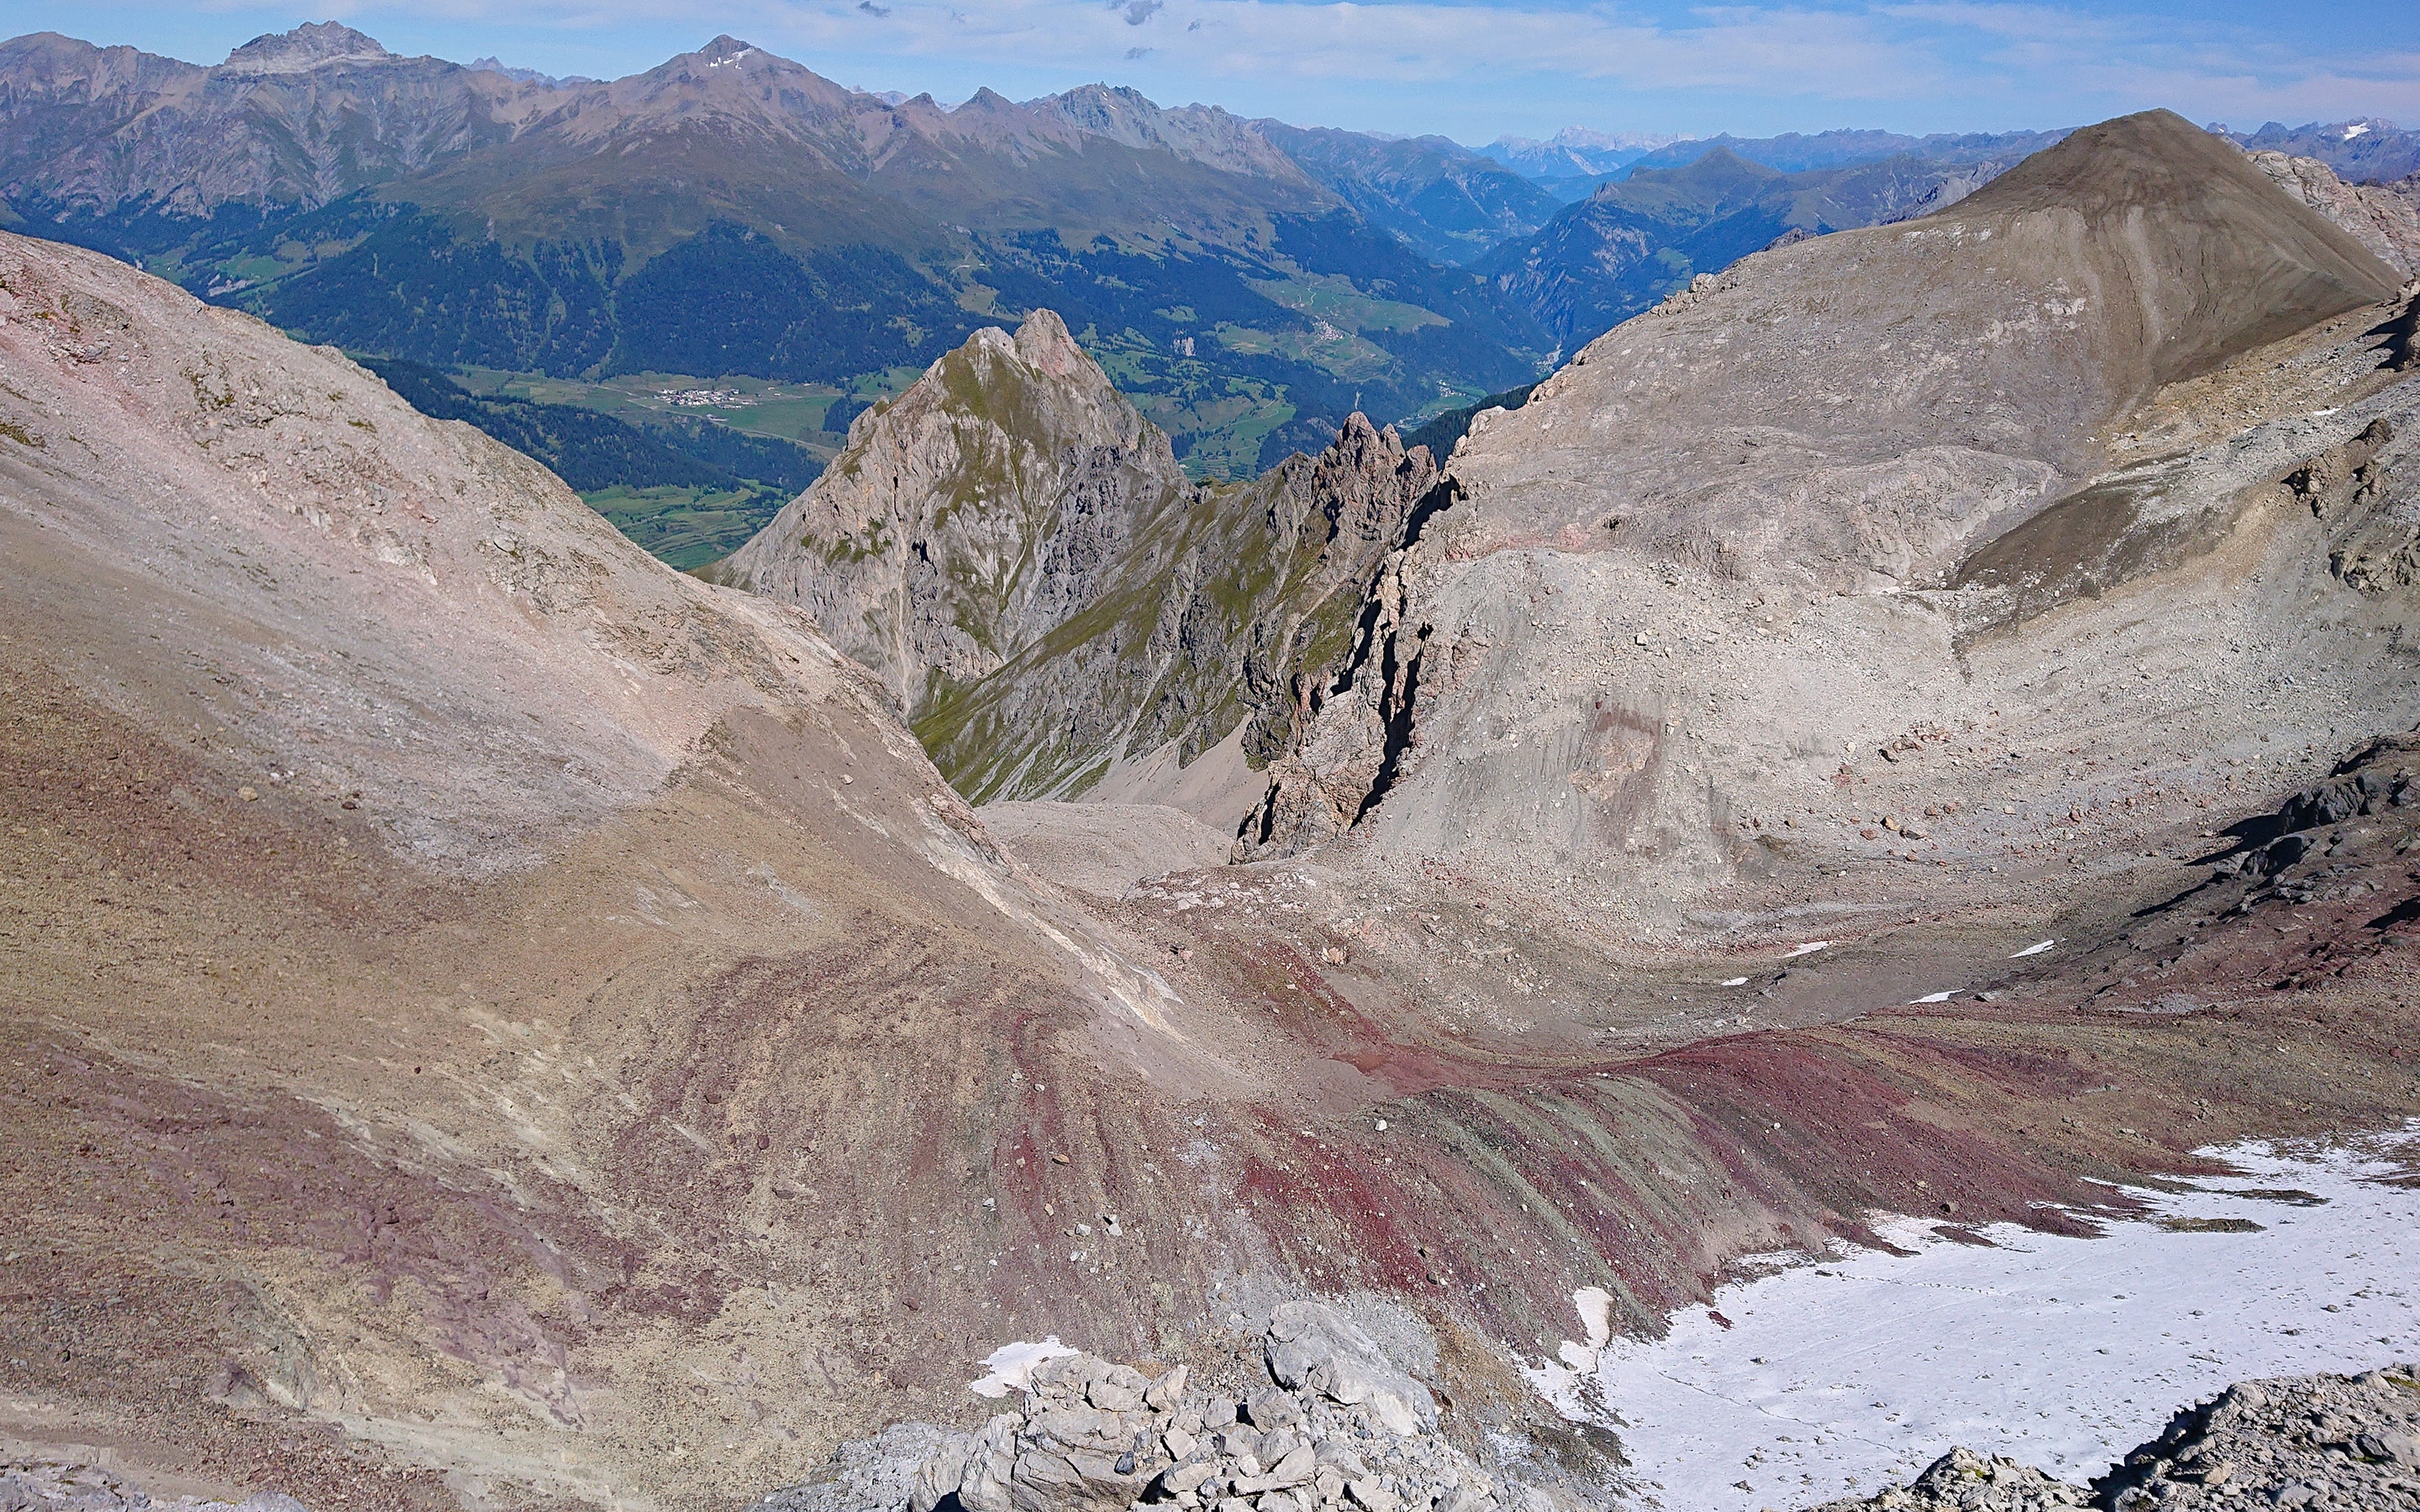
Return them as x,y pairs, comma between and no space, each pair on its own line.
299,119
730,212
1015,550
970,515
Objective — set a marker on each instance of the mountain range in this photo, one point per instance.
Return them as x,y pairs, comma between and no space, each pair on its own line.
732,213
1573,154
1654,229
634,247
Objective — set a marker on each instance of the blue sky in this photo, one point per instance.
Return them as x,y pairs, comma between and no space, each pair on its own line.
1470,70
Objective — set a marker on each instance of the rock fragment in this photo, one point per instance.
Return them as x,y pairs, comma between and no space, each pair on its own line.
1311,1345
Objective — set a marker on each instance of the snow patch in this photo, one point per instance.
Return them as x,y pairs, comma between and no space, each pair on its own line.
1807,949
2033,950
1936,997
1736,982
1858,1367
1011,1365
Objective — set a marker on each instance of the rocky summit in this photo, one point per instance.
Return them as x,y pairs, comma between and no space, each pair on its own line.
966,519
1064,614
1320,1419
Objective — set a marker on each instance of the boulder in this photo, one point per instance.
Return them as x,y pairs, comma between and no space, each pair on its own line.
1268,1409
1311,1346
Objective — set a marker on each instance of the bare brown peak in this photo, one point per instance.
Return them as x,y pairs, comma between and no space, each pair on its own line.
726,50
2215,261
2158,163
729,61
725,58
2145,158
317,45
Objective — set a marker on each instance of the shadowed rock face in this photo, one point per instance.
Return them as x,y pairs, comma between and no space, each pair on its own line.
1221,623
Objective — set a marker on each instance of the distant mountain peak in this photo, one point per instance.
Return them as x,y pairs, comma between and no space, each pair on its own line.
1582,136
492,63
1588,139
314,45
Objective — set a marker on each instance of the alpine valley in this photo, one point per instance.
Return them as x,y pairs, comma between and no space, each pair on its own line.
1327,824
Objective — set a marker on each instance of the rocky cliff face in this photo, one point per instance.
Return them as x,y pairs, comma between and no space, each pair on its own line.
1224,619
971,515
2383,218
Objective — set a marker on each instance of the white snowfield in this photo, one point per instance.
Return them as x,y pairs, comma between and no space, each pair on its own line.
1011,1366
1856,1371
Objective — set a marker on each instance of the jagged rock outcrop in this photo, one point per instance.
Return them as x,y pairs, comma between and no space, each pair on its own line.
2297,853
1964,1481
2386,222
970,515
1311,1347
2300,1441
